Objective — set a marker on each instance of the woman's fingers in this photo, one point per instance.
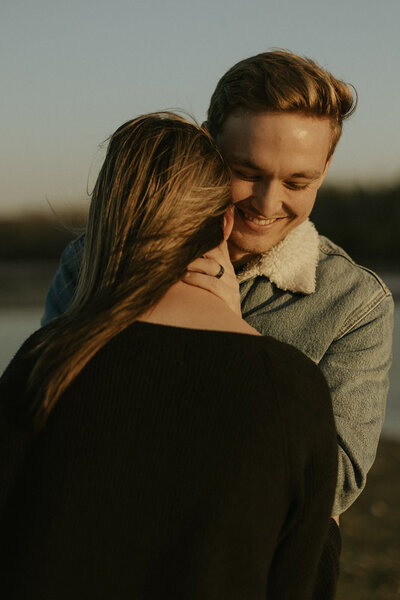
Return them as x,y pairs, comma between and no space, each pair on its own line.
212,261
202,280
214,272
225,287
221,252
208,266
221,255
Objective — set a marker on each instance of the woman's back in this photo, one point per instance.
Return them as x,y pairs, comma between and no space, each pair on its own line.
170,461
179,463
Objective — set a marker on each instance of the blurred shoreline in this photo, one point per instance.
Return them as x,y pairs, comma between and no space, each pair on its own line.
19,275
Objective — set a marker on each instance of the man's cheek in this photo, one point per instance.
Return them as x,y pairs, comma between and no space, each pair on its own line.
240,191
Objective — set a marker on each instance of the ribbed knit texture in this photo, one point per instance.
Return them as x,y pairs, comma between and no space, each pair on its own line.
180,464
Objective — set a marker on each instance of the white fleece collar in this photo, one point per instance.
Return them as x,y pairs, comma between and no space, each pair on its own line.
291,264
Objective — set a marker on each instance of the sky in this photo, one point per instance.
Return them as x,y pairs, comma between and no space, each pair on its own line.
73,71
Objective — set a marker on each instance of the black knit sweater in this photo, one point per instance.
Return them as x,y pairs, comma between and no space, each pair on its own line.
179,464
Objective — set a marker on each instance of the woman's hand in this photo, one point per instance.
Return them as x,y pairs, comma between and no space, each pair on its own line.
203,272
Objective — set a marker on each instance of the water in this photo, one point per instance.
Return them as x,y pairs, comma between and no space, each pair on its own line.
17,324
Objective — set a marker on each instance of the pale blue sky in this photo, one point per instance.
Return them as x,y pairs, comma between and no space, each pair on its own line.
72,71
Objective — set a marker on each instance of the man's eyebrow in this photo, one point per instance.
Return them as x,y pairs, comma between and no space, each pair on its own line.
307,175
246,162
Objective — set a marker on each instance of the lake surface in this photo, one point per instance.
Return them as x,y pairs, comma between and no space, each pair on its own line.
17,324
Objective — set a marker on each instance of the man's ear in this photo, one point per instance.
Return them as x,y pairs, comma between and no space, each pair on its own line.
228,221
325,173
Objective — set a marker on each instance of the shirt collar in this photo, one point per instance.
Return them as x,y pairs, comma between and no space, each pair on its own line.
292,264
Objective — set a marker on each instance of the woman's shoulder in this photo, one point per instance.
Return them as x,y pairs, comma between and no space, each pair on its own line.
13,382
296,373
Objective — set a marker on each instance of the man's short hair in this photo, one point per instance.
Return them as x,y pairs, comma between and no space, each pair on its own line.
280,81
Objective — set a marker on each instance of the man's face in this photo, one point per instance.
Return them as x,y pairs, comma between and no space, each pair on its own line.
278,161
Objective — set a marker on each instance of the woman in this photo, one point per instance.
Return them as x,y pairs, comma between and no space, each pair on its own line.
152,443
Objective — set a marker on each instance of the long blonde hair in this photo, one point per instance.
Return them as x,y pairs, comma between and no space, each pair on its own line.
158,204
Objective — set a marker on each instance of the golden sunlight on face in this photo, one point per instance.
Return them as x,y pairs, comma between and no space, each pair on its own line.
278,161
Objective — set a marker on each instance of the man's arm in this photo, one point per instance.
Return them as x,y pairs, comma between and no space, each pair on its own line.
63,286
356,367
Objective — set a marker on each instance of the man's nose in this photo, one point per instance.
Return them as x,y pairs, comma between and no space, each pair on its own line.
266,198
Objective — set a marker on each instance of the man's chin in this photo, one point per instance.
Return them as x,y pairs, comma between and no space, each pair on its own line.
242,252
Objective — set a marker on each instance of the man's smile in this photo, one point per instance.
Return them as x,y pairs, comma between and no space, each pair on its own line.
259,223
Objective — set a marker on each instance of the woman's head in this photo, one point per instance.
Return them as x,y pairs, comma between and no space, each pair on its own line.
159,198
158,203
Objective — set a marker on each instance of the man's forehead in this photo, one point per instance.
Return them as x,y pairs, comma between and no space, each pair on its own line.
244,130
279,148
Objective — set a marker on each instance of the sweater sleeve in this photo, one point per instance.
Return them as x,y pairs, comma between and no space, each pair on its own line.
305,564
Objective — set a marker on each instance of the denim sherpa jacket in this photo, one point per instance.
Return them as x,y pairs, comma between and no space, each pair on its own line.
308,292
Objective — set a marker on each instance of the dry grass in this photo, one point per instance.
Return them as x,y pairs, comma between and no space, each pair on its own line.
370,562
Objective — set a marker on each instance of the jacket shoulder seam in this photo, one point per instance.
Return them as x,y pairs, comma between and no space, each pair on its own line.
325,249
362,313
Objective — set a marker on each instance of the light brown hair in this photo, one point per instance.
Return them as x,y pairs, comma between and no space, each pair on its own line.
158,204
280,81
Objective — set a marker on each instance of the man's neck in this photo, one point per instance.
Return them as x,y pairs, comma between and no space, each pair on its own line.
239,264
239,257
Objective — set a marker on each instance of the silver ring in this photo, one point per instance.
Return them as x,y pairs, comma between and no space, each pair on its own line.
220,272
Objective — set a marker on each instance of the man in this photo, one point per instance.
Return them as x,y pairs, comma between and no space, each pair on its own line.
277,118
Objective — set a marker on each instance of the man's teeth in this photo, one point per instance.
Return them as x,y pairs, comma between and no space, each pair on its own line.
259,221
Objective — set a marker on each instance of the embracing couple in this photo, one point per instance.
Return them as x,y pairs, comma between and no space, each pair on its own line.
209,384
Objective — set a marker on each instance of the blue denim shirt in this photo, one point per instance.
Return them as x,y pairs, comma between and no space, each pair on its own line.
345,326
